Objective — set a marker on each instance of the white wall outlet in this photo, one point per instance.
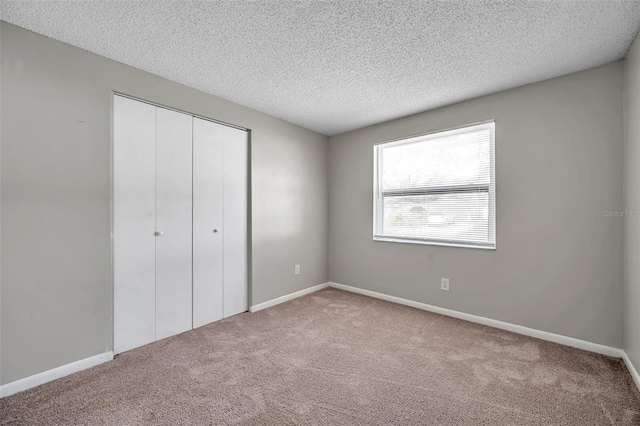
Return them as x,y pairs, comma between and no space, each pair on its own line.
444,284
296,270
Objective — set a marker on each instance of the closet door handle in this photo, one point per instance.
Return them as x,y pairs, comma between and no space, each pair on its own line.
158,233
215,231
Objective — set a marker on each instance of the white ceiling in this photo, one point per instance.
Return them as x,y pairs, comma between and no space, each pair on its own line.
335,66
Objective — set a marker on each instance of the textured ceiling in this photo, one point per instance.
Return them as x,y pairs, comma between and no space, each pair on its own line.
334,66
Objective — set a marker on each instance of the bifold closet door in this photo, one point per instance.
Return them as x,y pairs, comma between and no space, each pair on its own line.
208,192
236,184
173,223
180,222
220,246
134,182
152,223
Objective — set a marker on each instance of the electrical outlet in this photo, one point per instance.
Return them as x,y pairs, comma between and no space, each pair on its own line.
296,270
444,284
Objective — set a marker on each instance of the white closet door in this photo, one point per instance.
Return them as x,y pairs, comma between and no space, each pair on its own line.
235,220
208,227
134,138
173,221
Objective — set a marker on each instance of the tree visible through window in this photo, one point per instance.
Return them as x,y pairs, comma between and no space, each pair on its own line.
437,188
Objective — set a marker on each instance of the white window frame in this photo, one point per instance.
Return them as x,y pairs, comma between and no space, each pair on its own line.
378,196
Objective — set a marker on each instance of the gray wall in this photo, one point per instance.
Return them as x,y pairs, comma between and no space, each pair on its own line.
632,203
558,263
56,294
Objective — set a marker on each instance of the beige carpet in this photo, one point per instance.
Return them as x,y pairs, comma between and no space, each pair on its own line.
334,357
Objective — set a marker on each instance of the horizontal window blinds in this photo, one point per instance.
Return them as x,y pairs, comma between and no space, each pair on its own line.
438,188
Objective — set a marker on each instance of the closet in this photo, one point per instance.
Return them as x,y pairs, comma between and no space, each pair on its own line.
180,186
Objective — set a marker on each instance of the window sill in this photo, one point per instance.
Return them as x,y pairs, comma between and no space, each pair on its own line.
433,243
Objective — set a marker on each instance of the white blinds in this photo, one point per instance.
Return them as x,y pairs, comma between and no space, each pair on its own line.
438,188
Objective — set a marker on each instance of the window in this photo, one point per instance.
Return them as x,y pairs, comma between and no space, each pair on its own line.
437,188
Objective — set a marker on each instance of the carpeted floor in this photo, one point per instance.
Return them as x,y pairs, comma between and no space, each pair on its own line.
339,358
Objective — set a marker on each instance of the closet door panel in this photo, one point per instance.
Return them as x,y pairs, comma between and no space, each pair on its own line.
174,221
134,139
235,220
207,217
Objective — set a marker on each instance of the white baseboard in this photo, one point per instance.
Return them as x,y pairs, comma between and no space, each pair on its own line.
287,297
543,335
53,374
83,364
632,369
